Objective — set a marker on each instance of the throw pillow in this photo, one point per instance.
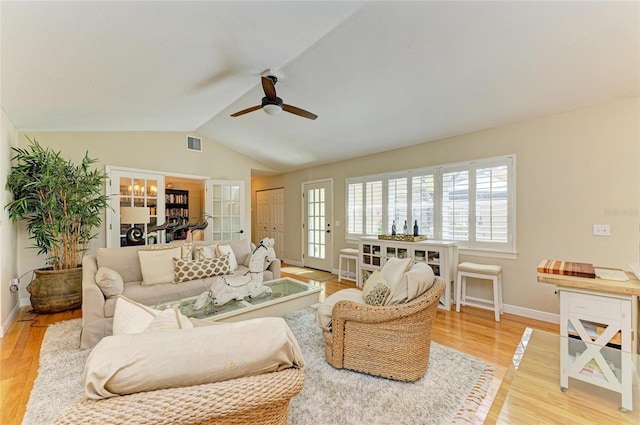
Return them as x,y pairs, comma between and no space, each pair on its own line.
226,249
157,264
393,270
208,251
242,248
199,269
187,251
375,290
131,317
168,319
109,281
248,260
414,283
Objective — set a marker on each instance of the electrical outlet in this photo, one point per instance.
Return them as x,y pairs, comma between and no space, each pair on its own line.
13,287
601,230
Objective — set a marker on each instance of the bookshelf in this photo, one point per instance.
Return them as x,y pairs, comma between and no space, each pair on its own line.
177,208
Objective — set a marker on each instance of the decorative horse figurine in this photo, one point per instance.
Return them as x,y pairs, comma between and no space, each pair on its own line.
229,287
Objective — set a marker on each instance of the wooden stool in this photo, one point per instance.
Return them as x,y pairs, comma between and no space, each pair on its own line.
349,254
480,271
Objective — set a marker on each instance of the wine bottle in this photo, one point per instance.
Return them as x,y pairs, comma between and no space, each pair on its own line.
393,228
415,229
405,229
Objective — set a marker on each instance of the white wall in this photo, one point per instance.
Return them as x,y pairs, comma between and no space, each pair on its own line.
574,170
9,302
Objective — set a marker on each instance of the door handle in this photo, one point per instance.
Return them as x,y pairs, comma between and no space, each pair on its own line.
240,231
328,231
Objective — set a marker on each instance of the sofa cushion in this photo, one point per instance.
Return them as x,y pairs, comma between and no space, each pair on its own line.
123,260
325,309
185,270
375,290
128,364
164,292
109,281
156,265
414,283
228,251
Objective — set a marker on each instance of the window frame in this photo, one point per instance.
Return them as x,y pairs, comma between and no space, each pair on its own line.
438,172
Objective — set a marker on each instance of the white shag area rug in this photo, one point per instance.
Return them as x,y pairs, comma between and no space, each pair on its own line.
450,392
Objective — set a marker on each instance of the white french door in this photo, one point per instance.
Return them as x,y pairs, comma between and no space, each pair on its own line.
317,198
225,204
143,191
270,218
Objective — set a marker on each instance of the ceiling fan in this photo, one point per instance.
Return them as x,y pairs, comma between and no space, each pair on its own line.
272,104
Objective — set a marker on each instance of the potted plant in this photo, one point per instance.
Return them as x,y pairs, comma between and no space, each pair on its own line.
61,203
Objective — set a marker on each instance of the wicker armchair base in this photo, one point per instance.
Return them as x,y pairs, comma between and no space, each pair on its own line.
261,399
388,341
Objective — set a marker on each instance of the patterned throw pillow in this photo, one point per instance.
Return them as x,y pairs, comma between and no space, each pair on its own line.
375,290
186,270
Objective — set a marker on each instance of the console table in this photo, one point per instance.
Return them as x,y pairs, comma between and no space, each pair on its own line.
442,256
600,313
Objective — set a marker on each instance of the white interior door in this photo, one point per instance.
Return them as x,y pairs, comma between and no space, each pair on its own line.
140,190
270,218
225,203
317,198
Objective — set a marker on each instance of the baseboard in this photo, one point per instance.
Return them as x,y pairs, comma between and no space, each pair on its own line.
293,263
532,314
543,316
10,319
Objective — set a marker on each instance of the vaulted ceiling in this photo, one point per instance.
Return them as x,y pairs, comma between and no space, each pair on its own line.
379,75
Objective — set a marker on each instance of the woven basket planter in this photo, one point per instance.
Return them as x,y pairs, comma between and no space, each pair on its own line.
53,291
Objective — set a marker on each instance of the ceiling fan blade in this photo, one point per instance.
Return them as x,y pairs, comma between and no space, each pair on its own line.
246,111
300,112
269,87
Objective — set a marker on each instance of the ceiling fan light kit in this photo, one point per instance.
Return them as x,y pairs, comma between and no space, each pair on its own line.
272,104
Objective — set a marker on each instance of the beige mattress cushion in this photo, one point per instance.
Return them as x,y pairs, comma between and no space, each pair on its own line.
127,364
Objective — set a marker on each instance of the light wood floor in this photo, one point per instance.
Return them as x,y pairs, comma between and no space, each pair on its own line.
473,331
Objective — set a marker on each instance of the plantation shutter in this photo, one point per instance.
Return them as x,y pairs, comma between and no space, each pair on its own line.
355,210
455,205
373,208
422,203
397,204
492,204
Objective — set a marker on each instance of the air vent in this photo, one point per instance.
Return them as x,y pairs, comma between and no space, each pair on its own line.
194,144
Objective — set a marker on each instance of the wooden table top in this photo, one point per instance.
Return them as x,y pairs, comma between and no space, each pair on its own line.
629,287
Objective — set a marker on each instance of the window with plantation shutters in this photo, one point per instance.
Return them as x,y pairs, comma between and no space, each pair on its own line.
471,203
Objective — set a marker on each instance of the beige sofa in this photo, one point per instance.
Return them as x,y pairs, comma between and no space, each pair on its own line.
98,309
